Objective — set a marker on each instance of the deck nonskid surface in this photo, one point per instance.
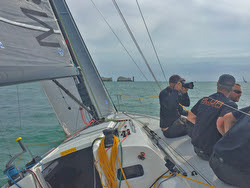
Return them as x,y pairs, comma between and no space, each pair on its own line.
183,150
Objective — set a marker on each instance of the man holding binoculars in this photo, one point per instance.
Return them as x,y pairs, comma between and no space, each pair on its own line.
172,114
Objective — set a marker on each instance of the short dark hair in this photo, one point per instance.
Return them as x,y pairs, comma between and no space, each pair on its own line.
237,84
226,82
174,78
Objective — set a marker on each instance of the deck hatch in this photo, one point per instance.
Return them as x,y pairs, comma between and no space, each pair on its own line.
131,172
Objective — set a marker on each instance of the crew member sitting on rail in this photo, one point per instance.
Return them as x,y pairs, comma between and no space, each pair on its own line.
171,121
206,112
230,160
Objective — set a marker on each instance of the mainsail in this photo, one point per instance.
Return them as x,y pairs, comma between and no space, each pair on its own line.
36,44
31,45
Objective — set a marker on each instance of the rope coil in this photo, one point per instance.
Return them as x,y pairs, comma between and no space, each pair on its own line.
108,165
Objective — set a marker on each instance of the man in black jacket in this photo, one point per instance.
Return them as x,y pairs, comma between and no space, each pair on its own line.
230,160
207,113
171,121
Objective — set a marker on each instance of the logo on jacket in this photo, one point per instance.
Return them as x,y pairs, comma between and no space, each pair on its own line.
212,102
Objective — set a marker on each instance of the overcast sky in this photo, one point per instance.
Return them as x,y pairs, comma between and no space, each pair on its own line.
198,39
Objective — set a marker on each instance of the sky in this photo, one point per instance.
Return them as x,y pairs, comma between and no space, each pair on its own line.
197,39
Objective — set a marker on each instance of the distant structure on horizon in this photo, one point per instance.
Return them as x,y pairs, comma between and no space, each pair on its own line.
124,79
107,79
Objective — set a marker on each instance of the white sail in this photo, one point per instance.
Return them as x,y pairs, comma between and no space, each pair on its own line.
67,110
31,46
87,87
37,50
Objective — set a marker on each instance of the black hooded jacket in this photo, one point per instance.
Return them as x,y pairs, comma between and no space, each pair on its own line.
170,110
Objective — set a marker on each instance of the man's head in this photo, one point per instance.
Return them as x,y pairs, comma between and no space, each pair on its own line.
225,83
235,93
175,82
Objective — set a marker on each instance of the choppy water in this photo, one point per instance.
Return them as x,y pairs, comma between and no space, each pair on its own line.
26,112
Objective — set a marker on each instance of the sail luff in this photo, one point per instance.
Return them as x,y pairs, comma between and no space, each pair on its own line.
92,81
85,89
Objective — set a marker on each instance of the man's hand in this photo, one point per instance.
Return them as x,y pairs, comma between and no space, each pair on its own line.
191,117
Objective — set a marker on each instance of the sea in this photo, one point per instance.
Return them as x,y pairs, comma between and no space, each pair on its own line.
25,112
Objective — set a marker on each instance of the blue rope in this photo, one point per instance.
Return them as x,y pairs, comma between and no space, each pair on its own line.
12,179
41,166
23,170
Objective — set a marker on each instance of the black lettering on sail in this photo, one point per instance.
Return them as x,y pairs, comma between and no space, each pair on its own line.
31,14
37,2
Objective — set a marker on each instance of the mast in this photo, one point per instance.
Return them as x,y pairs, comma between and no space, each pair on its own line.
89,76
87,87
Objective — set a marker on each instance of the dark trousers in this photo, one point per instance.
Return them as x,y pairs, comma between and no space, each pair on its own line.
189,127
177,129
229,174
202,154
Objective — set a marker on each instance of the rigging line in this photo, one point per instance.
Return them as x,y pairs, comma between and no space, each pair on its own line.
19,110
118,39
134,40
72,96
164,180
118,102
64,99
245,113
4,135
76,120
151,40
124,105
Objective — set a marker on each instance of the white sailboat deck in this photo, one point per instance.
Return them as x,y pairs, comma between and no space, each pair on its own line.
181,150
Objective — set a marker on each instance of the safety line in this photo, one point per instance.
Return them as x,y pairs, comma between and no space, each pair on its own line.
195,180
44,143
122,95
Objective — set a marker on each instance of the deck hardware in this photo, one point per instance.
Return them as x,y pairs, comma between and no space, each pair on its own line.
141,156
194,173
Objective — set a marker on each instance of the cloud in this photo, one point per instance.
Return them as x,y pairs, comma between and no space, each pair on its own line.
184,32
